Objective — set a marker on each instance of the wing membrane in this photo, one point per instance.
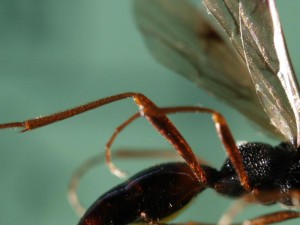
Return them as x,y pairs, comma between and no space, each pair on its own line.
259,39
181,37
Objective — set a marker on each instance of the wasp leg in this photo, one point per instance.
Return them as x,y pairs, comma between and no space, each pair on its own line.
157,117
115,170
118,172
147,108
263,198
12,125
222,130
233,211
98,160
74,182
273,218
226,137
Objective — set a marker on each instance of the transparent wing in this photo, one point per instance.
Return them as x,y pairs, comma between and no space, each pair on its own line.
255,31
226,64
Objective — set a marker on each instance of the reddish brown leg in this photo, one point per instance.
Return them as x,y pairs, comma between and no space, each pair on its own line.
222,130
46,120
263,198
157,117
114,169
273,218
147,109
226,137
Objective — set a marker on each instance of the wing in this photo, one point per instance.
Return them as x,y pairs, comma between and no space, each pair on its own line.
241,63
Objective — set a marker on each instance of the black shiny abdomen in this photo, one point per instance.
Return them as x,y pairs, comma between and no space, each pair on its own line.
151,195
160,191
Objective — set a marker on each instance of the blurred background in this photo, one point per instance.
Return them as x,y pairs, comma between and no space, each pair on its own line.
58,54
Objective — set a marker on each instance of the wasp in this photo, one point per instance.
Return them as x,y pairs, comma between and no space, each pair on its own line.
241,58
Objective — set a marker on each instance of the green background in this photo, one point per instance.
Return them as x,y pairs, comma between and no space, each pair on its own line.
57,54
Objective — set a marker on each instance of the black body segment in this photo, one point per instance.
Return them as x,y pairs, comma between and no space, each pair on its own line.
161,191
151,195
